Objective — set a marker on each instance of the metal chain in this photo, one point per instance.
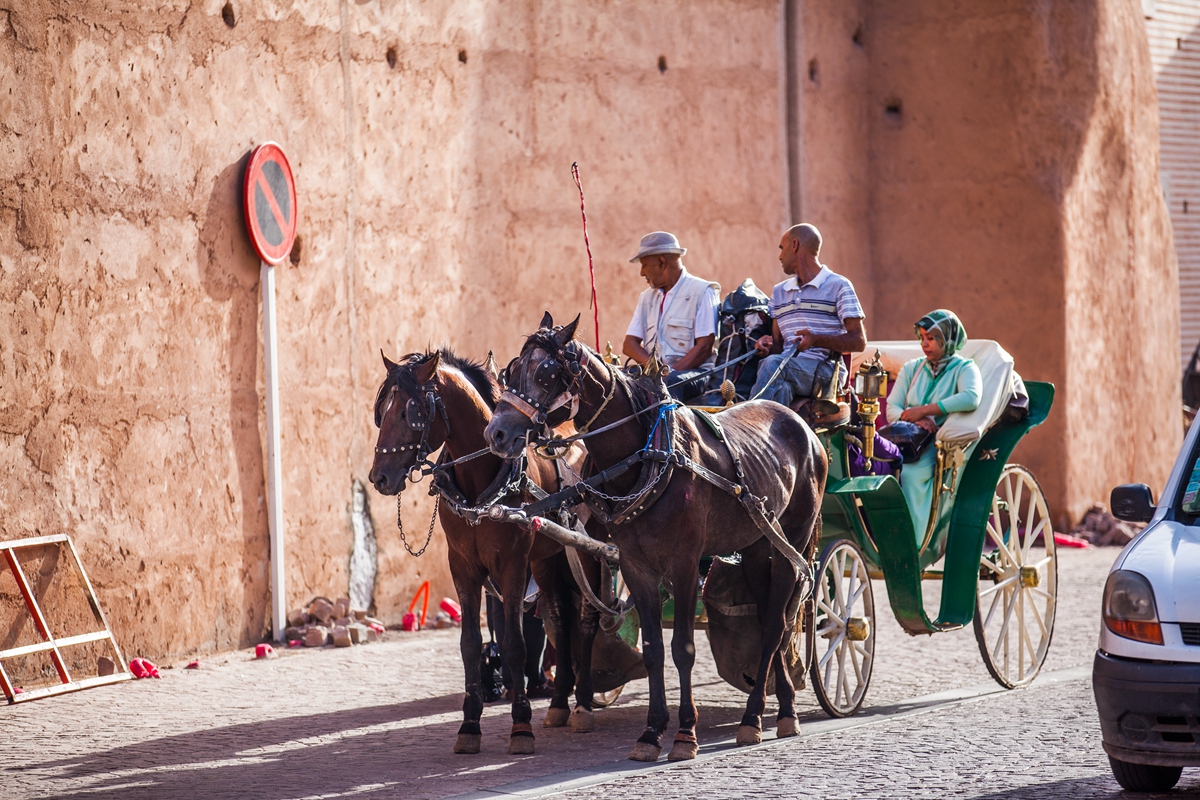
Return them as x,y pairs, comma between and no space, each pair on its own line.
437,499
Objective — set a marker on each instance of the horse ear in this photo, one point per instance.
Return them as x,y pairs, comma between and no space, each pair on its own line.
568,332
425,372
388,364
547,321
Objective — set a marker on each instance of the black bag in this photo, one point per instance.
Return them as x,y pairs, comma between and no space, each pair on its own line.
491,680
909,437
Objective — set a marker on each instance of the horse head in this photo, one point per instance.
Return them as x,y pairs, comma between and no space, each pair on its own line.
542,388
411,421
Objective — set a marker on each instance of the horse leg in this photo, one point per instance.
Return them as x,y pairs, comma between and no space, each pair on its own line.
470,644
783,584
556,608
686,583
644,588
785,693
520,741
583,719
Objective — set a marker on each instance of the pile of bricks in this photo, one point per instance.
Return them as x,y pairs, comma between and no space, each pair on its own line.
324,621
1102,529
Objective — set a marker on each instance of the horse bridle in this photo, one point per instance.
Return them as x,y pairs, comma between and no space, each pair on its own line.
565,367
419,417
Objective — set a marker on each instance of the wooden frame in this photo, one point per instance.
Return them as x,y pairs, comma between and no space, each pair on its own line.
50,643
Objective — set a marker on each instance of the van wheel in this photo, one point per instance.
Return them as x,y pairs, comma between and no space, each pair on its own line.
1144,777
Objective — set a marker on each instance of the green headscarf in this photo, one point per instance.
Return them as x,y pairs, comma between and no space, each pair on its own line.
946,327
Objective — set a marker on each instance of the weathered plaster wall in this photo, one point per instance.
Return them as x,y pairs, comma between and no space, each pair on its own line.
1010,156
436,205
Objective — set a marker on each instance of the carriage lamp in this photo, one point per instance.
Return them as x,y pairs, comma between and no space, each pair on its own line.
870,384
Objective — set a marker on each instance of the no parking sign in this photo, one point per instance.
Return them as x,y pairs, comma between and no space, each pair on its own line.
269,200
269,206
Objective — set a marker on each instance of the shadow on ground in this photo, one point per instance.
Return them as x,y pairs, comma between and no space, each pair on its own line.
364,752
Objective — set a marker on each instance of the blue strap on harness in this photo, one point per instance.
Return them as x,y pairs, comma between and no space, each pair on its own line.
661,413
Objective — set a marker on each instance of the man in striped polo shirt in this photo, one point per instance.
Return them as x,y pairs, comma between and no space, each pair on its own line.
816,308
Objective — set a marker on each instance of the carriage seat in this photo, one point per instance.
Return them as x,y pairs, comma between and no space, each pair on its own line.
1000,383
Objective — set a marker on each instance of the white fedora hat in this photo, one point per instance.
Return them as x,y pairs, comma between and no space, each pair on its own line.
657,243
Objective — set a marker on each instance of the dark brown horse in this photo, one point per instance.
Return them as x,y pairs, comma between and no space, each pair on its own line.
768,451
435,400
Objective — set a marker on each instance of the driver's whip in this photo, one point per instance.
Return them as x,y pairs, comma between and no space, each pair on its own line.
594,304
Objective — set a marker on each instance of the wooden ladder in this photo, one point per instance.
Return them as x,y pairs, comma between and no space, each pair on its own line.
52,644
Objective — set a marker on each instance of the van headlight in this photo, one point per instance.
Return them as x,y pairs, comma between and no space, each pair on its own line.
1129,609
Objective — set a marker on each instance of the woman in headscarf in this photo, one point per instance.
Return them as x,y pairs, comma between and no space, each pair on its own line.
925,392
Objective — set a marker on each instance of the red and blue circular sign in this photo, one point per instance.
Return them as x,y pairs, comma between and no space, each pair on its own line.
269,201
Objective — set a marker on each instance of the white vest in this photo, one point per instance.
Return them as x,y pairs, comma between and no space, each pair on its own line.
678,334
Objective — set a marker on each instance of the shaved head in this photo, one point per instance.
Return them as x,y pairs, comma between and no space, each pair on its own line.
807,236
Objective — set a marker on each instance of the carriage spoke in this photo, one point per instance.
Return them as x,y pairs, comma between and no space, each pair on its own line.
833,648
1042,592
986,562
1000,545
1003,635
1038,616
1002,584
991,611
1030,532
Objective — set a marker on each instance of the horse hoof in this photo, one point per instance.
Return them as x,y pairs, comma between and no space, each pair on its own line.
520,745
644,752
582,720
556,717
467,743
748,735
683,751
785,727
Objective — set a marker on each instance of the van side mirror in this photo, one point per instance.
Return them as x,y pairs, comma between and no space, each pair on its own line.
1132,502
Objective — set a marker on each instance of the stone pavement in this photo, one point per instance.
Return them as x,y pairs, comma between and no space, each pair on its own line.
379,721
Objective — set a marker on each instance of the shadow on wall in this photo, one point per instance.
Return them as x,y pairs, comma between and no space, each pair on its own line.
229,270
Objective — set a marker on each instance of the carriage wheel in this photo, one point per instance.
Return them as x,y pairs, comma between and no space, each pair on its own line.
844,629
1018,581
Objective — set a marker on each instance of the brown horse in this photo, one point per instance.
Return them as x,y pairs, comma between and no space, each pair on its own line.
768,453
437,399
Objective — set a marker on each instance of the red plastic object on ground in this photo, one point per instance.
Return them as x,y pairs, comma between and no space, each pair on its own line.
143,668
410,621
452,608
263,650
193,665
1067,540
295,643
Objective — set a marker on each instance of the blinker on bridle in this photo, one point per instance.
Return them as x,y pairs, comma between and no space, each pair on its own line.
418,417
547,376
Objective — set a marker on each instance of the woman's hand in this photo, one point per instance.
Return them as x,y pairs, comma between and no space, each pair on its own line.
922,415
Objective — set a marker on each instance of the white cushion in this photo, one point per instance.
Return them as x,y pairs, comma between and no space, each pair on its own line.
1000,381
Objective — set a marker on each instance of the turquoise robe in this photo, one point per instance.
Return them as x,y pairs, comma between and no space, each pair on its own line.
958,387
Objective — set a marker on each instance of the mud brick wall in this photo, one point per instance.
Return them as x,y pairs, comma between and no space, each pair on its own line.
432,141
432,144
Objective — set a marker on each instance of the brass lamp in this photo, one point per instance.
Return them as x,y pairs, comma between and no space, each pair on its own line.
870,384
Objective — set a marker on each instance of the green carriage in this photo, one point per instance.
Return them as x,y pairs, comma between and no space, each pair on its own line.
989,543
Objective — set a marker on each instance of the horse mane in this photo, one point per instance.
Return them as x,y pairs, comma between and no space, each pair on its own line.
475,372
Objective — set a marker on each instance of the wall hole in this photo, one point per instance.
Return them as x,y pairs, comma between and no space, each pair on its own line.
857,38
1179,44
462,56
391,57
294,256
228,15
662,64
812,70
1185,206
894,109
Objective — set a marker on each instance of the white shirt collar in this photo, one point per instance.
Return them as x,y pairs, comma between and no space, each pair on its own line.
793,283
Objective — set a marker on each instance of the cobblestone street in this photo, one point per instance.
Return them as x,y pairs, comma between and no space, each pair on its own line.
379,721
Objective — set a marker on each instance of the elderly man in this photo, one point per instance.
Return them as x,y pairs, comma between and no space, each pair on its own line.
676,318
817,309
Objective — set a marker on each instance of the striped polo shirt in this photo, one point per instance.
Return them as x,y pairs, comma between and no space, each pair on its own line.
822,305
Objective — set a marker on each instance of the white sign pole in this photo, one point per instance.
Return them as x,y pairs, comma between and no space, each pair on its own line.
274,465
